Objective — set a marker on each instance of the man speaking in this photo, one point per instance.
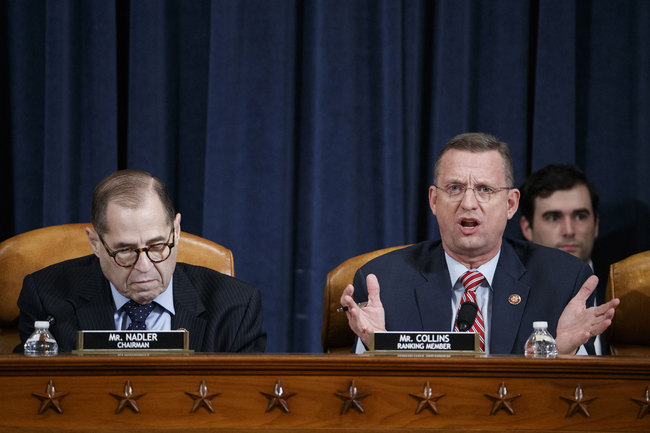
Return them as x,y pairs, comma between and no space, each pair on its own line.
133,281
513,283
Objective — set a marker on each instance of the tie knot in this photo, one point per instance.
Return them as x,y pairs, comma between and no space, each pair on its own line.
471,280
138,314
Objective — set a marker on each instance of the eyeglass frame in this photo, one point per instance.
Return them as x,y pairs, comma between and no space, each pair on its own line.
461,194
145,250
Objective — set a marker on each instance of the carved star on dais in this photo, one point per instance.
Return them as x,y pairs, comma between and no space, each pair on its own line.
128,399
278,398
501,400
644,404
428,400
578,403
202,398
50,399
352,398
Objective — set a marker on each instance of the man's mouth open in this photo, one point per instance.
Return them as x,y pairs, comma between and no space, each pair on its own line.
468,225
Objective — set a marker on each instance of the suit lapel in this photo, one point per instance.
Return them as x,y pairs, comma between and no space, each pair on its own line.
189,307
506,311
93,307
97,312
433,296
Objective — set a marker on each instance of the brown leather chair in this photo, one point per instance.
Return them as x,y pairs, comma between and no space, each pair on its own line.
30,251
629,280
336,335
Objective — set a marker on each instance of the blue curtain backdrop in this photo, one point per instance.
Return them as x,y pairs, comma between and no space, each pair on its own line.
301,133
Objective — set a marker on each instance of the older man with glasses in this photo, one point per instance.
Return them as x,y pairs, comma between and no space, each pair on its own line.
133,280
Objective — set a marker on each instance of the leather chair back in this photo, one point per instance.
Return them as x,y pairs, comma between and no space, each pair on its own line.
629,280
33,250
336,335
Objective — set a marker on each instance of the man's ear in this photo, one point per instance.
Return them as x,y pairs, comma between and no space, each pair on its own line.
177,227
93,240
433,198
512,202
526,228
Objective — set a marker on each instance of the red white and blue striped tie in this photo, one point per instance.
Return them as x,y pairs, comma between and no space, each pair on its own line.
471,280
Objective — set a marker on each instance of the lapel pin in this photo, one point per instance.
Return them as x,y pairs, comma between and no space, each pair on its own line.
514,299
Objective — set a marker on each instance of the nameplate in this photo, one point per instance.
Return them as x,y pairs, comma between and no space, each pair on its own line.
132,341
425,342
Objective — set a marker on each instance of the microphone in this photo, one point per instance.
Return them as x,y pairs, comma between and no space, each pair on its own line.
466,316
61,312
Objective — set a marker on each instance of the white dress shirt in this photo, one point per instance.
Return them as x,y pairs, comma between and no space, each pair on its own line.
483,291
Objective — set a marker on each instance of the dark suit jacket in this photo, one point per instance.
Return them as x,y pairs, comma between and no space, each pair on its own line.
221,313
416,291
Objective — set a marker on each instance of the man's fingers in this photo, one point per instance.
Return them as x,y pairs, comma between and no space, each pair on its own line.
608,308
587,289
373,289
600,327
346,297
602,321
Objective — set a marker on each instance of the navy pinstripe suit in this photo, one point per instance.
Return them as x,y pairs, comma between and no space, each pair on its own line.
221,313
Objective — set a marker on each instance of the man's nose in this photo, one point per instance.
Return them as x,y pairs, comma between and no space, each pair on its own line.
469,200
567,227
143,263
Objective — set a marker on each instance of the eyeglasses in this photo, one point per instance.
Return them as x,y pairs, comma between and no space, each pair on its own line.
483,193
127,257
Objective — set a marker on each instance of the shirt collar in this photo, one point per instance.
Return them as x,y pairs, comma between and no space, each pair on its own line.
456,269
165,299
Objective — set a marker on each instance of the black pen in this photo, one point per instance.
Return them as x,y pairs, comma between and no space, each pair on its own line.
344,309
